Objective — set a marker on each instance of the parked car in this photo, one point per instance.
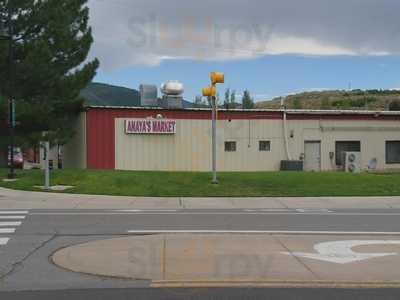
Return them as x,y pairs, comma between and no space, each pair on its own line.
18,158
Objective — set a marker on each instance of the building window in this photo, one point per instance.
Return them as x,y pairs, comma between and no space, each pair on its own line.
393,152
343,147
265,146
230,146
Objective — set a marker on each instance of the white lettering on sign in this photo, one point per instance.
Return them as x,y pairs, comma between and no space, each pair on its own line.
150,126
340,252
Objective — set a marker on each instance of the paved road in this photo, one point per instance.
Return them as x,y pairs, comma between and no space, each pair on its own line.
114,222
195,294
29,237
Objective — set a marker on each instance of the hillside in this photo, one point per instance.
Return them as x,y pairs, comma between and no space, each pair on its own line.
348,100
100,94
103,94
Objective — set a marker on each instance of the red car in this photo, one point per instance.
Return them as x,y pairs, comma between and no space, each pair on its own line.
18,158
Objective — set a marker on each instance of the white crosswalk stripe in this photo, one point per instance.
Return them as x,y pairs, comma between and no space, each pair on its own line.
12,217
10,226
15,212
7,230
4,241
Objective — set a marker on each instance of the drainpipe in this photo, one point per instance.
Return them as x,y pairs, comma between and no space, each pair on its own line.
285,135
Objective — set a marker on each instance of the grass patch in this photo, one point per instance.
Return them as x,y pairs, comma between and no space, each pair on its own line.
235,184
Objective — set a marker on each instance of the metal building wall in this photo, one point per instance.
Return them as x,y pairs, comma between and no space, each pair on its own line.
190,148
74,153
108,147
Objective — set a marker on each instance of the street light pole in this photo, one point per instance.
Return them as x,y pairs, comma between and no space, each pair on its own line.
11,104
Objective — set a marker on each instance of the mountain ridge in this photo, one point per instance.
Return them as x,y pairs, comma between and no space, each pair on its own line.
338,99
103,94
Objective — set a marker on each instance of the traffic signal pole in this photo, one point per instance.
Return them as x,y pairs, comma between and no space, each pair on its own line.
211,92
214,140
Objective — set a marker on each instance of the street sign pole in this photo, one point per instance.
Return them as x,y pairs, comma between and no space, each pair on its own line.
46,150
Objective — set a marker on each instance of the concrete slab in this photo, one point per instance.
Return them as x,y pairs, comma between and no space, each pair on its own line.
138,258
207,203
339,202
56,188
157,203
42,200
232,203
228,258
383,269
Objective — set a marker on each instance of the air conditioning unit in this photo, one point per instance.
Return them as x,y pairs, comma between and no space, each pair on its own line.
353,162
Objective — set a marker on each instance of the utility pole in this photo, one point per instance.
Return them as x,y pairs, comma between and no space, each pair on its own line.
211,93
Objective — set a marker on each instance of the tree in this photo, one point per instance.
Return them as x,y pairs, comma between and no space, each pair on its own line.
52,40
199,102
227,98
233,99
247,101
297,103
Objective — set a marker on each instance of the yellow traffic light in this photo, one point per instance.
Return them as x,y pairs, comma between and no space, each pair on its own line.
217,77
209,91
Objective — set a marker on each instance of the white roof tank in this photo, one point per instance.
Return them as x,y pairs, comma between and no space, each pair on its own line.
172,87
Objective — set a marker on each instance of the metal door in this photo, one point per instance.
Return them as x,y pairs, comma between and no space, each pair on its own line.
312,159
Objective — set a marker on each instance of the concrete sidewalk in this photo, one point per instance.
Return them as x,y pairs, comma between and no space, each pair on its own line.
207,260
11,199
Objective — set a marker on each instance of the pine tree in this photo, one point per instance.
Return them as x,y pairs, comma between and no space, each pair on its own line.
199,102
233,99
52,40
247,101
226,100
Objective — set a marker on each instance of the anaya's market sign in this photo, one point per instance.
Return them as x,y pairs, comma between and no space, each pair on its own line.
150,126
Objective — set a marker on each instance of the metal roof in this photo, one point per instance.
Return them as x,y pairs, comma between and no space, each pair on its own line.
289,111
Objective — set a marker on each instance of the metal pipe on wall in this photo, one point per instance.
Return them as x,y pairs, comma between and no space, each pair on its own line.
285,135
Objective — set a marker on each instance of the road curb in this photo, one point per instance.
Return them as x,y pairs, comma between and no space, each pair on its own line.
273,284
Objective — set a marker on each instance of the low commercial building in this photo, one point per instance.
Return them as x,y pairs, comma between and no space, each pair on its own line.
155,139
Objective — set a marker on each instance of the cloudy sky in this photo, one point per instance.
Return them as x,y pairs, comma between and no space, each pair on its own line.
271,47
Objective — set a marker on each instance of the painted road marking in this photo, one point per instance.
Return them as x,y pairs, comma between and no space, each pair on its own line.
269,210
20,212
143,210
301,210
12,217
7,230
177,213
4,241
340,252
274,232
8,224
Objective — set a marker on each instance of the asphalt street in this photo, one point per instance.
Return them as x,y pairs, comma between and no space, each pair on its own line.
120,222
28,238
214,294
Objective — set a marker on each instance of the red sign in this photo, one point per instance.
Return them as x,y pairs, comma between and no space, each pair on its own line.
150,126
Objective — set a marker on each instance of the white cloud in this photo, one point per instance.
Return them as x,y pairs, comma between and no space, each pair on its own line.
129,32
